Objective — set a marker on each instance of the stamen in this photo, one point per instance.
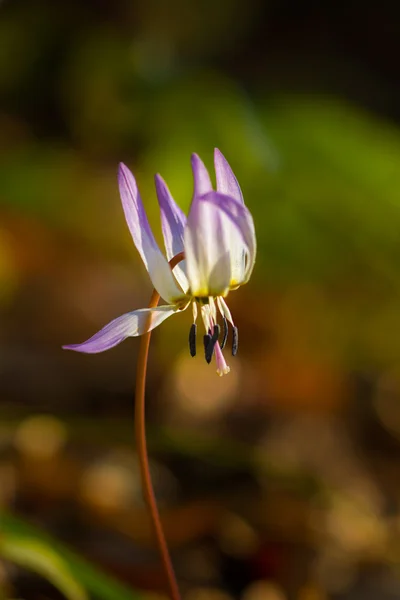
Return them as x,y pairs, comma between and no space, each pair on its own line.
194,309
206,342
235,341
205,315
211,344
225,336
192,339
213,310
224,310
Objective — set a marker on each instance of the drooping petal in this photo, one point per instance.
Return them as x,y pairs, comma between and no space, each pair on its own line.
226,180
238,255
202,181
242,235
207,250
228,184
217,242
128,325
173,222
136,218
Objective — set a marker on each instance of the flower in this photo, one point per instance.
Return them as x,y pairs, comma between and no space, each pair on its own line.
219,246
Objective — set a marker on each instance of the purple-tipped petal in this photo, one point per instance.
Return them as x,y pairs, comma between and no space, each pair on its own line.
202,181
207,250
240,233
173,220
228,184
136,218
129,325
226,180
206,272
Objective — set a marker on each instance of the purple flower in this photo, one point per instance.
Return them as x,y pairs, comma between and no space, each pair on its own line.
219,245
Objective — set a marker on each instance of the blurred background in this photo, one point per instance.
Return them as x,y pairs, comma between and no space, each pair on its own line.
280,481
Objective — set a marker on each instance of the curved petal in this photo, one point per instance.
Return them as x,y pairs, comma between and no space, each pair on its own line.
202,181
226,180
173,222
173,219
128,325
243,234
136,218
207,250
228,184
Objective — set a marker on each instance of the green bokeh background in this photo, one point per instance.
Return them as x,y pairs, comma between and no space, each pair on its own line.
303,101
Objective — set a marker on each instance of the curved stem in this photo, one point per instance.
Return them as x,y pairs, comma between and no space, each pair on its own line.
140,434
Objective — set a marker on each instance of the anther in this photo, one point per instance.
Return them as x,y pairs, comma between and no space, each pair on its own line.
235,341
211,344
192,339
206,341
216,333
225,336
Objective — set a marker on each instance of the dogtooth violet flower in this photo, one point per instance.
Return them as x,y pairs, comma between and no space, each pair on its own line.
219,247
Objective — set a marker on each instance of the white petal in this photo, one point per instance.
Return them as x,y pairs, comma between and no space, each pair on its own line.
228,184
128,325
136,218
238,254
243,235
207,250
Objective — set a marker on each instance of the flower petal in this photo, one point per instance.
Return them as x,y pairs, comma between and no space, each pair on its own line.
135,215
242,236
202,181
128,325
173,222
228,184
207,250
226,180
172,218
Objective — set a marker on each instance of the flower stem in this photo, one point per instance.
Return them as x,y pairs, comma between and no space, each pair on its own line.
141,445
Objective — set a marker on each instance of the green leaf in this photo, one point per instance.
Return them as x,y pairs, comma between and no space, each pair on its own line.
29,547
36,556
